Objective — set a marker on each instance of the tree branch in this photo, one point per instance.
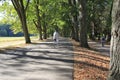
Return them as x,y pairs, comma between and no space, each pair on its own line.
35,23
17,7
15,4
27,5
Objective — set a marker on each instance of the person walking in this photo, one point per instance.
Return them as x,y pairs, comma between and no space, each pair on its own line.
56,37
103,41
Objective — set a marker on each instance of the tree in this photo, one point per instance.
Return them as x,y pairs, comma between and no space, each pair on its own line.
83,27
114,73
49,14
52,14
37,23
21,11
99,18
74,19
109,22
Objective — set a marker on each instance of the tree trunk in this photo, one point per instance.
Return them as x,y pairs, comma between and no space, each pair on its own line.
25,29
44,27
73,32
76,25
74,19
45,32
114,73
83,28
21,11
38,24
91,30
109,23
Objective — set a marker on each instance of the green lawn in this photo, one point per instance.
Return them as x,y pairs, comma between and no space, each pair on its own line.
5,39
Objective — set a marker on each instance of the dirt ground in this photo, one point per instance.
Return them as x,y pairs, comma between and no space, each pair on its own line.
90,64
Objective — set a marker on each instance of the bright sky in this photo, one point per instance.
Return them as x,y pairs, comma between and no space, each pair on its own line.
2,14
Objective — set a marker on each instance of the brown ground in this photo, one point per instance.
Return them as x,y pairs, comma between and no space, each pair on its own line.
89,64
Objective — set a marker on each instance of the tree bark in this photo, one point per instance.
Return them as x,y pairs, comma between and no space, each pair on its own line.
109,23
114,73
38,24
83,28
76,25
21,11
74,19
44,27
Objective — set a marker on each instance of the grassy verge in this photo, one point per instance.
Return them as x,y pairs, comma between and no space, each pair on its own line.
14,42
6,39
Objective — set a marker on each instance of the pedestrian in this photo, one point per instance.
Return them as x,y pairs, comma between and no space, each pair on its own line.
103,41
56,36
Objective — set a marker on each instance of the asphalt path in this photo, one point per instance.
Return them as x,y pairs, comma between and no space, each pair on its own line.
38,61
98,46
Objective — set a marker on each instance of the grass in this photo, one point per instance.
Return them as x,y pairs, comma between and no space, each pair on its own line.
13,42
6,39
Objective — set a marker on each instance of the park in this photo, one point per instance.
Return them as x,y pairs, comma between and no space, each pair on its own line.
59,40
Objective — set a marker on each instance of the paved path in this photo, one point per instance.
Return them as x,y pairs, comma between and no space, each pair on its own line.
103,50
38,61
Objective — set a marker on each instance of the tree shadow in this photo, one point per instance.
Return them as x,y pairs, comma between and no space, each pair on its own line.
96,46
47,58
22,52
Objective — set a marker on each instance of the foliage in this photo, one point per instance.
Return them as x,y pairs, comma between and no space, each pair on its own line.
99,14
10,17
56,14
52,13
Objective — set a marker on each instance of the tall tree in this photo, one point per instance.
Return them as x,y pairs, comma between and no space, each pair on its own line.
52,14
98,18
83,28
21,11
109,22
38,21
74,19
44,27
114,73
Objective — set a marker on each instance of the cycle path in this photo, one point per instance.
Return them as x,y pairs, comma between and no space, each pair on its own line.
38,61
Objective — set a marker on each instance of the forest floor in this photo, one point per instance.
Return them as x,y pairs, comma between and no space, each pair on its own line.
91,64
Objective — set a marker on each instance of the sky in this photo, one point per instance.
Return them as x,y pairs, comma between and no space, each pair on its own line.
2,14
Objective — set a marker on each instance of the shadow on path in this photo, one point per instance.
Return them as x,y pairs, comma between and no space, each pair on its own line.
38,61
98,47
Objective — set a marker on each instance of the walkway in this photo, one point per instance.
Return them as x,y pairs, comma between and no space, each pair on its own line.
38,61
103,50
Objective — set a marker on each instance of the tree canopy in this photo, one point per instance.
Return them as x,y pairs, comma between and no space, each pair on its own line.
44,16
